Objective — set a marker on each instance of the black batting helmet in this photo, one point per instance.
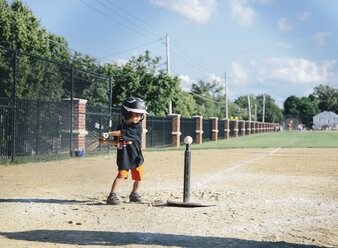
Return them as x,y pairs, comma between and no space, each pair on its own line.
133,104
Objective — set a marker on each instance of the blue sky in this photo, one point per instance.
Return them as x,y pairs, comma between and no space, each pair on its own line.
277,47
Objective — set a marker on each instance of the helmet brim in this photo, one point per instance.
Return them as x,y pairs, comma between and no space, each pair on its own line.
139,111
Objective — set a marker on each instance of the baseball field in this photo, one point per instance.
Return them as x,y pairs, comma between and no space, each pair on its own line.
284,194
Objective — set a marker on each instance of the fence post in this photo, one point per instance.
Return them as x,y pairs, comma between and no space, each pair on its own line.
199,129
175,129
227,129
145,131
214,128
236,129
243,128
74,124
37,128
14,106
248,127
253,127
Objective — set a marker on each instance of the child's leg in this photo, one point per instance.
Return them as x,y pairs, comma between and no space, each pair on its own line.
116,184
136,186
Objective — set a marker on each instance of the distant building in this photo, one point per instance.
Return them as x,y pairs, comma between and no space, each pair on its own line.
326,120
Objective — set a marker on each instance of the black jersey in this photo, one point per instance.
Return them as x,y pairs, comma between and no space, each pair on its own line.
130,155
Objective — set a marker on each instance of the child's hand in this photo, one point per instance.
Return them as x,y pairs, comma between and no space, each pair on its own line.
104,136
100,140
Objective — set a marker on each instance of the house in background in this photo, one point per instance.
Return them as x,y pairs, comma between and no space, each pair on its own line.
326,120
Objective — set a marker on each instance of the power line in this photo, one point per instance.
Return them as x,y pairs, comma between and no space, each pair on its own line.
135,17
126,19
110,18
130,49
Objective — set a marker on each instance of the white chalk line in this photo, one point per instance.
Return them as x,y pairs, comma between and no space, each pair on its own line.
212,177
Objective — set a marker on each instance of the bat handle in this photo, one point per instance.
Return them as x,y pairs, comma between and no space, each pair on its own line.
105,135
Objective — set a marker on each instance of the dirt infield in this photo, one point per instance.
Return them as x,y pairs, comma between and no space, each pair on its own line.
264,198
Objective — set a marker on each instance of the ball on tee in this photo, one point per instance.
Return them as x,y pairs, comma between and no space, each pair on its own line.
188,140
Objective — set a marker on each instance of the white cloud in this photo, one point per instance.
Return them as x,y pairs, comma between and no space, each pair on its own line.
304,16
121,62
320,38
241,12
238,74
299,71
284,45
186,82
199,11
284,25
214,77
253,62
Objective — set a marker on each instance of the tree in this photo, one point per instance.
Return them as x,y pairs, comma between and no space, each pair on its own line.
242,102
209,99
292,105
272,111
326,98
307,107
20,30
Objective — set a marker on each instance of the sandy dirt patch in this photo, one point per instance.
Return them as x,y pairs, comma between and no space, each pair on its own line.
264,198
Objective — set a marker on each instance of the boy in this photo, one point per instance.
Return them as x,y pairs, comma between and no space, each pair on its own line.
127,139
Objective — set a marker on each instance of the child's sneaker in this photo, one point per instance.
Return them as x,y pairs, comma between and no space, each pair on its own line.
135,197
113,199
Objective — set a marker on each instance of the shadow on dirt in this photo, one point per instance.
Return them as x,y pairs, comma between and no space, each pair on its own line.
104,238
38,200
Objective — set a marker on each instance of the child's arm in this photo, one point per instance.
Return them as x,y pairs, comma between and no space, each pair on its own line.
115,133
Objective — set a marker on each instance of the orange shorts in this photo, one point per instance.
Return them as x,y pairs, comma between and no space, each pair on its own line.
136,174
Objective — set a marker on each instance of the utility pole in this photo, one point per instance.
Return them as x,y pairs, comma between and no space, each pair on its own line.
255,112
226,97
263,117
168,70
249,106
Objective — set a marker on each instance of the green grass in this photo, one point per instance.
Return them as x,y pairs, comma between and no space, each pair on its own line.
291,139
284,139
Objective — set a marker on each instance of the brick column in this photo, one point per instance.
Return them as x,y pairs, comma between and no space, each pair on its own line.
248,127
253,127
199,129
79,125
214,128
243,128
236,129
176,130
227,128
145,131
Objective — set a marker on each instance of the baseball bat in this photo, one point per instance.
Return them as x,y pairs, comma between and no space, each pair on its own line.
96,143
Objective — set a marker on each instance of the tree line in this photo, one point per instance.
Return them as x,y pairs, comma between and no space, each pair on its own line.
140,76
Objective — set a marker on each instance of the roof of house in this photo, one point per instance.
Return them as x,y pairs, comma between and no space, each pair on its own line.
326,113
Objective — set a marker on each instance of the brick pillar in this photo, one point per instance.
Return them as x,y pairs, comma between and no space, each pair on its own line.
236,129
199,129
176,130
227,129
253,127
243,128
79,125
248,127
214,128
145,131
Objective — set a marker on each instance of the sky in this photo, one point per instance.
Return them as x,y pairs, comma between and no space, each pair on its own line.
275,47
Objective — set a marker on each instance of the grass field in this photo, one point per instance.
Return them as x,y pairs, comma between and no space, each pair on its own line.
287,139
291,139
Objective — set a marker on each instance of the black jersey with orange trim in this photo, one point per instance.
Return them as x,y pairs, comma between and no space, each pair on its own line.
129,155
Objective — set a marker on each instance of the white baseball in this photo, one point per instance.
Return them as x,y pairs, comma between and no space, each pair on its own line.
188,140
